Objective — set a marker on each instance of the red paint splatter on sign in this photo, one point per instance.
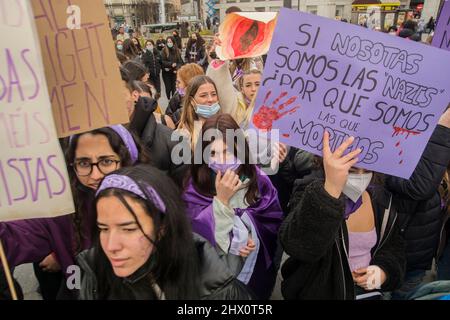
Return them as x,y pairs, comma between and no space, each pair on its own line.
265,116
286,135
398,130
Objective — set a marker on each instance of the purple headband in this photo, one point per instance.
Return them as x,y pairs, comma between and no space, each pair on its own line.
117,181
126,137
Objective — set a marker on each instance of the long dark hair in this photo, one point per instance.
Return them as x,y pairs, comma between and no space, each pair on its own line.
175,262
83,196
135,70
199,42
202,178
174,49
129,49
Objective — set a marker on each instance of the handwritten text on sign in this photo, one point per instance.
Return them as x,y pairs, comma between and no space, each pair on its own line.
80,64
33,177
386,91
441,38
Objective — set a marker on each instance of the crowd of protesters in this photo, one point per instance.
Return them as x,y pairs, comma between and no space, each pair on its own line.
147,226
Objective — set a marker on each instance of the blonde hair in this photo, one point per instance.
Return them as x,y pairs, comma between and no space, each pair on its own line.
246,73
189,71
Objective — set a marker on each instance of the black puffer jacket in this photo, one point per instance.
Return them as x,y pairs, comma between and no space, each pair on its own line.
169,57
156,137
152,60
419,208
217,279
315,237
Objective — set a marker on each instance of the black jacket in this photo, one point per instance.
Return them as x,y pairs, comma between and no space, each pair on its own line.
152,61
169,59
217,279
195,54
419,207
174,108
154,136
315,237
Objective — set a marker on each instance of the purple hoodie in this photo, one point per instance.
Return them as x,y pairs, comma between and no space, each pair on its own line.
266,215
31,240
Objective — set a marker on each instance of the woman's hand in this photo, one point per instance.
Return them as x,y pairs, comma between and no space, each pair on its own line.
50,264
369,278
227,185
245,252
217,41
281,151
337,165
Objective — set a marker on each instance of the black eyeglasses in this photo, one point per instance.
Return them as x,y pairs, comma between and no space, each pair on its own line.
83,168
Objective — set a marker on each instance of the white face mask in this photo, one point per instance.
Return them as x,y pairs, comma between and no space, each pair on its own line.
356,185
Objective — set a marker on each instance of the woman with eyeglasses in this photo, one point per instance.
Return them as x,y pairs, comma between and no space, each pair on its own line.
54,242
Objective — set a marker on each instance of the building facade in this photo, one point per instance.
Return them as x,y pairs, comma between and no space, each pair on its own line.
341,9
139,12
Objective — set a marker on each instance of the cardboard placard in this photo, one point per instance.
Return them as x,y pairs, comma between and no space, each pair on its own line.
81,67
33,176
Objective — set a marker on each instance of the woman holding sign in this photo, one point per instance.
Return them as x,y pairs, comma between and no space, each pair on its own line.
90,155
341,234
343,231
233,204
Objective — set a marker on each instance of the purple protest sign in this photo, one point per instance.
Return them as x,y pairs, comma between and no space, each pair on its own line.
441,38
386,91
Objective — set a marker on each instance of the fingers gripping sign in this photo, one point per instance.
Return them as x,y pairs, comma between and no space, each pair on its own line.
337,165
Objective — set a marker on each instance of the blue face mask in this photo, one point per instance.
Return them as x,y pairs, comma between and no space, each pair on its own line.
119,47
206,111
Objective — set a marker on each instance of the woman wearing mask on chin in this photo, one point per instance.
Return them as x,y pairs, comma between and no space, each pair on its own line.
54,242
200,103
341,233
233,204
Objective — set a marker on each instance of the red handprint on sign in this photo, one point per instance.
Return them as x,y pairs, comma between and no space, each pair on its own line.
265,116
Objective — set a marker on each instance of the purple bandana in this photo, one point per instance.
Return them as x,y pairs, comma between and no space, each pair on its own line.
127,139
117,181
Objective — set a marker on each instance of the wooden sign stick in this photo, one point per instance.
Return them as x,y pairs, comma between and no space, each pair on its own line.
12,289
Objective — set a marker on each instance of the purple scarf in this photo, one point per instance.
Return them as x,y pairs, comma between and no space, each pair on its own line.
266,216
32,240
